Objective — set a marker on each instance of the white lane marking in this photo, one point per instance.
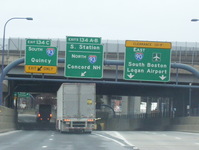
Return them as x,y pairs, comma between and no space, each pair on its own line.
178,138
121,137
52,135
164,135
197,143
111,139
154,133
50,139
10,132
189,133
44,146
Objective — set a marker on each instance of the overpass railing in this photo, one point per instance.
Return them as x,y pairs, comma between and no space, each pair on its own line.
194,112
139,115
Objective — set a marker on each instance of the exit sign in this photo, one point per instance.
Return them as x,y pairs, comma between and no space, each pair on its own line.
147,61
84,57
85,40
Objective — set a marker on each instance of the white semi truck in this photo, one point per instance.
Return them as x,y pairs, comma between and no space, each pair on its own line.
76,110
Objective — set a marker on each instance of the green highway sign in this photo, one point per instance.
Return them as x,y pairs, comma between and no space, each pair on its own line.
40,59
38,42
147,61
42,56
21,94
84,60
85,40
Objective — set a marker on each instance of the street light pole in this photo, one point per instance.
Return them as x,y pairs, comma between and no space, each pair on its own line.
3,50
194,20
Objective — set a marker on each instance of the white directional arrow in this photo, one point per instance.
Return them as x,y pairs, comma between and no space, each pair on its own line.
83,74
162,77
130,75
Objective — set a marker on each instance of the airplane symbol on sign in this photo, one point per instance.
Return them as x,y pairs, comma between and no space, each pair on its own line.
156,57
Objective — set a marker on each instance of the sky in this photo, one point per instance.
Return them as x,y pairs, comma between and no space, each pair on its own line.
147,20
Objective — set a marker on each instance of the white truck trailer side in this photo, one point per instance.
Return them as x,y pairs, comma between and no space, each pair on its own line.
76,107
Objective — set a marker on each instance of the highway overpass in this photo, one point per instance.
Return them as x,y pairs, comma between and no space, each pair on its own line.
172,97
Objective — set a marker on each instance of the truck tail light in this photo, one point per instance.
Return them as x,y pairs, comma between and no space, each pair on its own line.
90,120
67,120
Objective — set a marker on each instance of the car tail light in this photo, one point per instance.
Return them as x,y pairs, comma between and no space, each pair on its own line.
38,115
51,115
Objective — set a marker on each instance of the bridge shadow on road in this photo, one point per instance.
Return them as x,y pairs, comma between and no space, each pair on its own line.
36,126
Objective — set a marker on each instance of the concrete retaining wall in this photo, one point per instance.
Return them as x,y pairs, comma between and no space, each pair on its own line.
125,124
189,124
7,119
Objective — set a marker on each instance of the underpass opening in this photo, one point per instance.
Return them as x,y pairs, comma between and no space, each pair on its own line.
179,94
126,99
36,111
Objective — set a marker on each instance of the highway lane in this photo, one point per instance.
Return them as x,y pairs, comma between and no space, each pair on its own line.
52,140
160,140
98,140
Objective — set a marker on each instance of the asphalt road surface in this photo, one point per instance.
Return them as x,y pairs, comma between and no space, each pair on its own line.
52,140
99,140
161,140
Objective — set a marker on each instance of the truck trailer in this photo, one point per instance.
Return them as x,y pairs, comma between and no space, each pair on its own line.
76,110
44,113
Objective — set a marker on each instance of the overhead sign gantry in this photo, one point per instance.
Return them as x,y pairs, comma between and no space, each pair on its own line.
147,61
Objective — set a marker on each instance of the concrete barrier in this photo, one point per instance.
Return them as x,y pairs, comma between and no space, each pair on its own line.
7,119
117,124
127,124
187,124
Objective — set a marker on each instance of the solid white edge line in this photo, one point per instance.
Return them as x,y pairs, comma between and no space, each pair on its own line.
121,137
111,139
9,132
178,138
197,143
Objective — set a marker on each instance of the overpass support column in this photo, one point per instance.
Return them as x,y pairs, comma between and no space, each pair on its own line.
105,99
134,105
124,105
148,106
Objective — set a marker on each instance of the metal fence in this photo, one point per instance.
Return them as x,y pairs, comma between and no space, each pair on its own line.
182,52
194,112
